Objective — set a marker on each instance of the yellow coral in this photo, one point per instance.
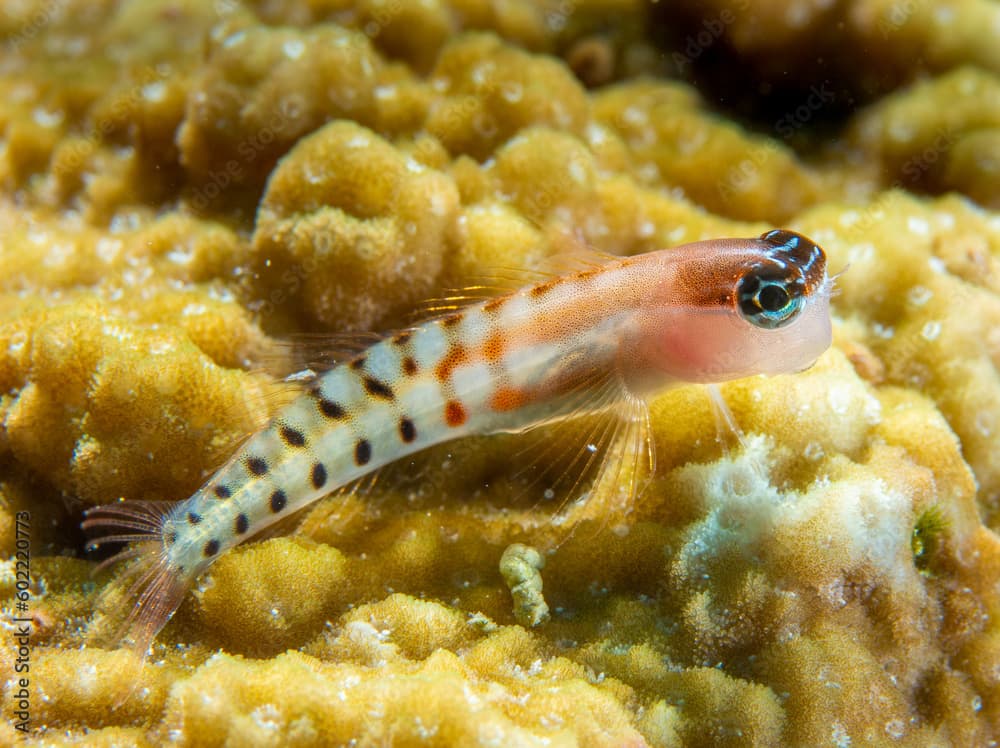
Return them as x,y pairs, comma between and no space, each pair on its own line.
343,204
938,135
180,178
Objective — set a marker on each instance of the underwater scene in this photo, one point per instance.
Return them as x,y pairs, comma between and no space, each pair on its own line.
500,373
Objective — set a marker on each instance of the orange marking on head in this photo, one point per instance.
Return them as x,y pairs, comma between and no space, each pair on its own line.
508,398
455,356
454,413
494,347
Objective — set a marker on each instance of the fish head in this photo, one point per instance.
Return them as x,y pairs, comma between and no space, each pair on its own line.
731,308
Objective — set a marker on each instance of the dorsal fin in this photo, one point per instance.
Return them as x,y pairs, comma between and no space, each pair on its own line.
314,351
568,253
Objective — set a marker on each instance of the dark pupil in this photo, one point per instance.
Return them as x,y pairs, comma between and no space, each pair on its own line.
773,298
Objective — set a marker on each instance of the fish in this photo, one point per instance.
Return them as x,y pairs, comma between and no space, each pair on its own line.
599,340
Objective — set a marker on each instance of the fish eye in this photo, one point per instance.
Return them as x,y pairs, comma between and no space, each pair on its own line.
768,302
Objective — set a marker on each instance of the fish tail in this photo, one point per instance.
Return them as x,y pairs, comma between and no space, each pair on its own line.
157,585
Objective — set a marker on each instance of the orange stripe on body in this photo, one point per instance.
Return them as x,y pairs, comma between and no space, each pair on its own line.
455,357
494,347
508,398
454,413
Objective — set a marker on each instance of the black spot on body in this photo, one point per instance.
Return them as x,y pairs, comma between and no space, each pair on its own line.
293,437
376,388
171,538
407,431
331,409
257,465
222,492
362,452
242,523
194,518
211,548
278,501
318,475
409,366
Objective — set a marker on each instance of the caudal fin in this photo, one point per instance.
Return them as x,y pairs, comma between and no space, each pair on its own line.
157,587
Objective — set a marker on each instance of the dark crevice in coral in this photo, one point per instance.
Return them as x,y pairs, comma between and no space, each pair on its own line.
800,95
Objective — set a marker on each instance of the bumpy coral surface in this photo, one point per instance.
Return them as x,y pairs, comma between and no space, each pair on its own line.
183,184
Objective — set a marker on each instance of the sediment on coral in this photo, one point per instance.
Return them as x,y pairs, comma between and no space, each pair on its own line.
183,184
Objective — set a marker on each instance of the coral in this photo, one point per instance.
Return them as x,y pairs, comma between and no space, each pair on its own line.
801,46
939,135
520,566
672,140
263,90
182,183
344,202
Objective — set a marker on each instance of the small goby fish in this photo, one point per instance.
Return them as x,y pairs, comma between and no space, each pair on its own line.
582,343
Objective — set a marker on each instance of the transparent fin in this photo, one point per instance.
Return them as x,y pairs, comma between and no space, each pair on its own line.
726,427
569,254
453,299
153,588
315,352
611,455
338,509
627,465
